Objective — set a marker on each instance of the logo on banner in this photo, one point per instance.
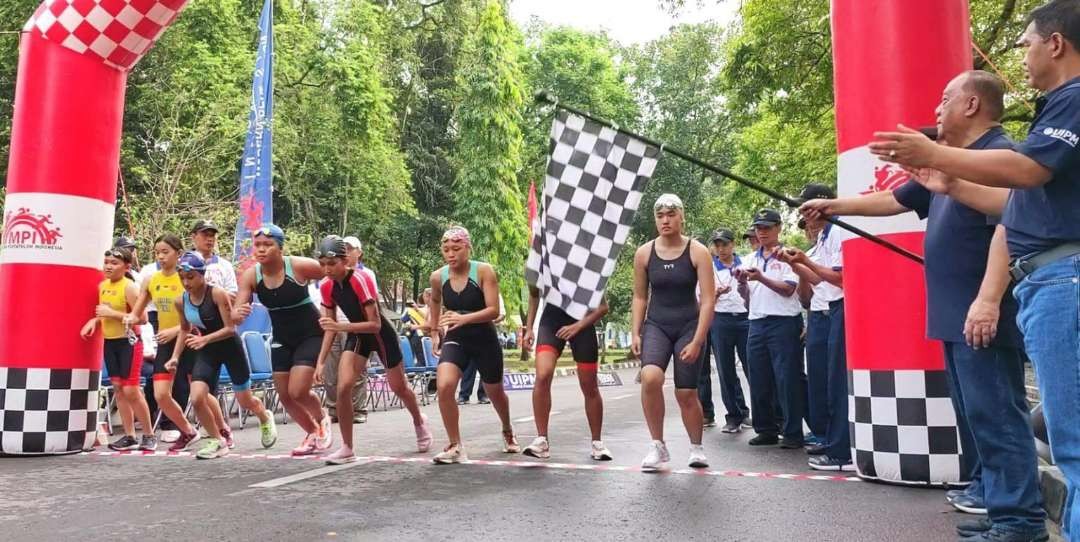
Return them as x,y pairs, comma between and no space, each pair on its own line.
886,177
24,229
519,381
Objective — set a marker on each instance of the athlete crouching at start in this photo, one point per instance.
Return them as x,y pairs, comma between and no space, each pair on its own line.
206,327
368,331
465,302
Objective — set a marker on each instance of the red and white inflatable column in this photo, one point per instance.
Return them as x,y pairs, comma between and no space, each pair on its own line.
58,214
892,59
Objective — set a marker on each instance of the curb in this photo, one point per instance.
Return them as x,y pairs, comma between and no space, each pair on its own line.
571,371
1054,492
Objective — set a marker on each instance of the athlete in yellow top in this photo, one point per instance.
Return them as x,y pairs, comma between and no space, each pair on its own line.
123,358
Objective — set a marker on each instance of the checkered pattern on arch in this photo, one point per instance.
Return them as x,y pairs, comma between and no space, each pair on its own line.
594,182
47,411
119,32
903,427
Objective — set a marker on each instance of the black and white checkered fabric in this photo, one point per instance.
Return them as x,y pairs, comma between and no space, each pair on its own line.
595,178
47,411
903,427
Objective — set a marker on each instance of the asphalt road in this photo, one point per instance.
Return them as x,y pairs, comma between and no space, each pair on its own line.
396,494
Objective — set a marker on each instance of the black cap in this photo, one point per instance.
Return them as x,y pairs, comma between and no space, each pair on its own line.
767,217
749,233
723,235
332,246
204,225
816,191
124,242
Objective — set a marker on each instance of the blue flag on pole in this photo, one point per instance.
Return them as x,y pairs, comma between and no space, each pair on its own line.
256,175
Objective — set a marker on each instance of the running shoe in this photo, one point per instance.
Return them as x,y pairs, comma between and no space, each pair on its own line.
170,436
697,457
826,462
227,434
510,443
124,444
268,432
184,441
453,453
539,448
342,456
709,422
484,401
148,443
307,447
657,457
213,448
326,433
360,418
423,435
748,424
599,451
998,533
731,427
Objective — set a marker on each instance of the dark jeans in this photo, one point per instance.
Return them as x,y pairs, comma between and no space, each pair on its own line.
817,372
418,349
991,393
468,380
727,336
775,359
838,432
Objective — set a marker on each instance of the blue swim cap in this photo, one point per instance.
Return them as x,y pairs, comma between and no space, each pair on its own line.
192,261
271,231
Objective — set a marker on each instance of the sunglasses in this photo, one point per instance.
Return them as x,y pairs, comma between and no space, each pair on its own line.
120,255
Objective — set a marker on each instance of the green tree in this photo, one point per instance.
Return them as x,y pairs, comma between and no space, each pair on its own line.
487,198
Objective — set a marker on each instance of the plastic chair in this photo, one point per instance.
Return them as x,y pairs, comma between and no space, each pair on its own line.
258,320
257,351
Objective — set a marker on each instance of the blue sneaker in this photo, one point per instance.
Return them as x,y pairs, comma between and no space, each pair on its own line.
969,504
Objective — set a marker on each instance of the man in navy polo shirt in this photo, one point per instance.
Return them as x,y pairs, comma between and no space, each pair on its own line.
773,348
985,366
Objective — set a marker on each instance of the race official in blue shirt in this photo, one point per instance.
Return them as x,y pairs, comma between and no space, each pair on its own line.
970,310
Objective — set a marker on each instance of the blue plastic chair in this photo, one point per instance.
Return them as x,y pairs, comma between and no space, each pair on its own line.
257,350
406,352
258,320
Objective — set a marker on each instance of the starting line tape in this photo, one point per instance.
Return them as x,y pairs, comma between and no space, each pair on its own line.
500,463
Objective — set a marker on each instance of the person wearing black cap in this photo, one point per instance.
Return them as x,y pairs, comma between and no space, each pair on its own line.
774,350
821,280
727,336
128,244
219,271
750,236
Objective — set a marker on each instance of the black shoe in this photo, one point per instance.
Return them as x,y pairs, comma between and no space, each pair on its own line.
709,422
791,444
973,527
816,449
764,440
124,443
999,534
461,401
484,401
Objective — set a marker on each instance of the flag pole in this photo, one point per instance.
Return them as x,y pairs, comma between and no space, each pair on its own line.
546,97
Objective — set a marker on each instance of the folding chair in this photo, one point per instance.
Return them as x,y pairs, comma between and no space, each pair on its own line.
257,351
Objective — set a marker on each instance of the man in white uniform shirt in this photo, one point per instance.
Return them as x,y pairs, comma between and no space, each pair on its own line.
219,271
773,347
821,279
727,336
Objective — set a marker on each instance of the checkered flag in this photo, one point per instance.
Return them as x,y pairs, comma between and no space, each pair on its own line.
595,179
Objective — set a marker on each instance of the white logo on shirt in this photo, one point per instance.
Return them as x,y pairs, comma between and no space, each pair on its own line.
1062,134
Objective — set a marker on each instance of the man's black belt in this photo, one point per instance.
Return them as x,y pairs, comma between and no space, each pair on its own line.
1022,267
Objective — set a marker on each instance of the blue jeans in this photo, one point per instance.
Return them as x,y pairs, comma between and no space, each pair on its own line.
991,392
1049,318
727,336
775,357
838,432
817,372
970,465
468,380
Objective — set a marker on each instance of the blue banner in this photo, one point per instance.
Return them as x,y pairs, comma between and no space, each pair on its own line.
256,174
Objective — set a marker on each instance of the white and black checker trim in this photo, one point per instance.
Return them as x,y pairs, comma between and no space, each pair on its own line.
47,411
594,183
903,427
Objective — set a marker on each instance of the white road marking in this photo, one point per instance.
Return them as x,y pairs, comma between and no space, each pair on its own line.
531,418
617,397
278,482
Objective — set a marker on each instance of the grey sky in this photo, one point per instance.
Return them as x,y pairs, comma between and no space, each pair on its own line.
628,21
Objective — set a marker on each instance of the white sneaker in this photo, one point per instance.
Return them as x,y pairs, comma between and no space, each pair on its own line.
599,451
539,448
325,436
453,453
656,458
510,443
342,456
697,457
169,436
